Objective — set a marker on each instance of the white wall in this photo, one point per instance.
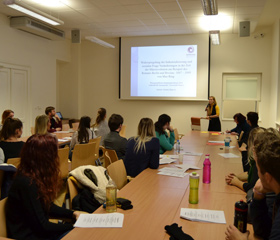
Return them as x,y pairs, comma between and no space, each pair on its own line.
39,55
100,82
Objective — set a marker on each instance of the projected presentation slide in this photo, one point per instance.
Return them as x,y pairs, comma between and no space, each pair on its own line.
164,71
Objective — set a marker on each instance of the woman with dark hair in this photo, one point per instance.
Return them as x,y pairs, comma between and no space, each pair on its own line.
30,200
242,125
6,114
84,133
143,150
100,127
166,142
213,113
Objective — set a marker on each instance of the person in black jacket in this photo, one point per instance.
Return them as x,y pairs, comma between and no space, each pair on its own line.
267,156
30,200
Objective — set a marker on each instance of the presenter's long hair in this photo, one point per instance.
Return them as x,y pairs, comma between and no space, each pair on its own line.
210,107
101,115
162,120
40,163
146,132
83,136
41,124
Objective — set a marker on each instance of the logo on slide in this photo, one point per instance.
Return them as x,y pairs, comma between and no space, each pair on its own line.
190,49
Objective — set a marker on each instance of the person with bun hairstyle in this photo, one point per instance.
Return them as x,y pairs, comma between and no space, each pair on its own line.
166,142
35,187
213,113
100,127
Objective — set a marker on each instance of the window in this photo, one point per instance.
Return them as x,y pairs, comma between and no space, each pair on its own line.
241,93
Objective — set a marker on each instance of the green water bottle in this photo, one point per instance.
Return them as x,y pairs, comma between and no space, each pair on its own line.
194,182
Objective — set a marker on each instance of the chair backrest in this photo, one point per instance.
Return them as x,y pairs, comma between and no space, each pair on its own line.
63,154
3,228
110,156
240,136
118,173
65,127
83,154
14,161
195,124
72,188
97,142
75,126
32,130
122,132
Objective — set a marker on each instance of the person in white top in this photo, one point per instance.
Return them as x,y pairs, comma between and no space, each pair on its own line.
100,127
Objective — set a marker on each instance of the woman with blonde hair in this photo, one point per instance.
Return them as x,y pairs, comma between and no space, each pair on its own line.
142,150
100,127
213,113
42,124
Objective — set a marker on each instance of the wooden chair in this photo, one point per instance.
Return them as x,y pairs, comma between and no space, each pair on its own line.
196,126
110,156
63,154
14,161
65,127
117,172
83,154
122,132
75,126
73,189
97,142
3,228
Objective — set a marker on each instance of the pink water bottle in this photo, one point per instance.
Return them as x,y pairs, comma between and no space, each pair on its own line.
207,169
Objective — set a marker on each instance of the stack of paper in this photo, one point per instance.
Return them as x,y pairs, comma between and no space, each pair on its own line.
186,167
228,155
166,159
202,215
106,220
173,172
192,153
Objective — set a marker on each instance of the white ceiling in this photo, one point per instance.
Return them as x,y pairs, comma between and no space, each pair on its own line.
117,18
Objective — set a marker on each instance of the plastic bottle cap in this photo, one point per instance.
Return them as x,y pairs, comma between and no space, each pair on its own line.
194,173
207,154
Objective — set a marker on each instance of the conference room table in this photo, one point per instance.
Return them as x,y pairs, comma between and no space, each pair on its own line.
158,199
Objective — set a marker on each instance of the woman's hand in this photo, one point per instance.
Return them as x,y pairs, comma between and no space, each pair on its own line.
229,178
76,214
232,233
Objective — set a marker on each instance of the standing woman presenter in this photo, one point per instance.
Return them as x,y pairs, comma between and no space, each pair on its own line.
213,113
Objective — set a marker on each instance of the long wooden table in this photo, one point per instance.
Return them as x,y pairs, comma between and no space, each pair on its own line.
157,199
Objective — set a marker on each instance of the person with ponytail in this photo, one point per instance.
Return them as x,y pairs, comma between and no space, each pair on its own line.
143,150
163,124
100,127
35,187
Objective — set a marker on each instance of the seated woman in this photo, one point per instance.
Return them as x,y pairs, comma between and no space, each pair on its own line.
11,146
84,133
143,150
30,200
100,127
246,180
163,124
242,125
6,114
42,124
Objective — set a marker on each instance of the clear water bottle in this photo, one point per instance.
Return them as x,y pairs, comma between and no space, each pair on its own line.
178,147
111,197
194,183
207,169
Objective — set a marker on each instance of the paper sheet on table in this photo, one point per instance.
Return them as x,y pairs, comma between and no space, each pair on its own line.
169,156
223,142
63,140
202,215
166,160
228,155
174,172
107,220
185,167
191,153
